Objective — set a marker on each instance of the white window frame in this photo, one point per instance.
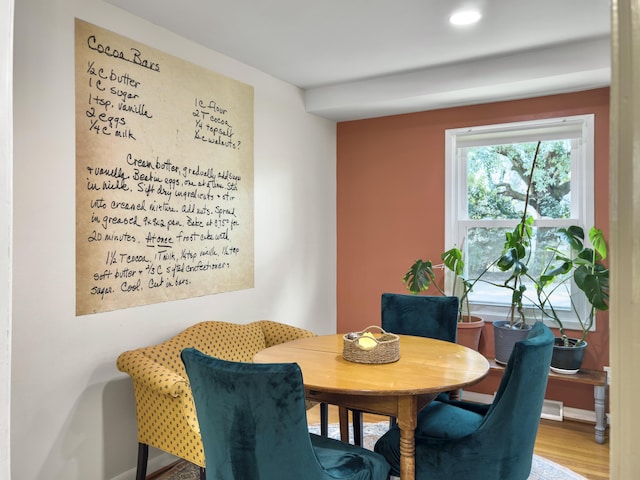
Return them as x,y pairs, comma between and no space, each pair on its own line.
582,185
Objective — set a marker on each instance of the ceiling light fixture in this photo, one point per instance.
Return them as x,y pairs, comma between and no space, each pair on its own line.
465,17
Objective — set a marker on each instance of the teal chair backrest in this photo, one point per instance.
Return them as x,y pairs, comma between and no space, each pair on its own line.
511,423
524,380
421,315
254,427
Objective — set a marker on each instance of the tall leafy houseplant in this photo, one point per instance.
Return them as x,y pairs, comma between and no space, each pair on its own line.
584,265
515,257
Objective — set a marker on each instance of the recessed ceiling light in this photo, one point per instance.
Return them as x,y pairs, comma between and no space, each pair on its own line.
465,17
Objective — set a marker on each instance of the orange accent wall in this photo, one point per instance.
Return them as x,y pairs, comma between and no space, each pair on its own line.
390,206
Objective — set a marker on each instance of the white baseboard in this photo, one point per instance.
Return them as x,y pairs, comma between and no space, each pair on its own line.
155,463
552,410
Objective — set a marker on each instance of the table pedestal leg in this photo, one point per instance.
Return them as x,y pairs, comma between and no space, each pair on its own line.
407,421
407,455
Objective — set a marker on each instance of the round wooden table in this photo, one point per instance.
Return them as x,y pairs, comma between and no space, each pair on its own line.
400,389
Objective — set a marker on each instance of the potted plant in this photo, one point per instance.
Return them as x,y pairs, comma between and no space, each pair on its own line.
421,276
584,265
515,258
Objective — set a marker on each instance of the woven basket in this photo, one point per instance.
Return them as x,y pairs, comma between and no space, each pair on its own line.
386,350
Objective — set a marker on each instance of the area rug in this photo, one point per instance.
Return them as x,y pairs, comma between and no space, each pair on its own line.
542,469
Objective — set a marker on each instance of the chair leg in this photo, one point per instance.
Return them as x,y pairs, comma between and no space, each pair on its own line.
143,456
343,414
324,419
357,427
203,473
392,422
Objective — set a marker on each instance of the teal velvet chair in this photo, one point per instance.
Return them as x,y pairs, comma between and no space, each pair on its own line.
428,316
419,315
422,316
253,425
456,439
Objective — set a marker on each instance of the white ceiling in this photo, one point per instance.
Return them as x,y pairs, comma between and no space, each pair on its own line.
366,58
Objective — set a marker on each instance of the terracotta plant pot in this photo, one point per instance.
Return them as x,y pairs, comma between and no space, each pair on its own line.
469,332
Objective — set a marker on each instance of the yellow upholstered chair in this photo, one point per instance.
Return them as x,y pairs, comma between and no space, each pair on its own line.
164,405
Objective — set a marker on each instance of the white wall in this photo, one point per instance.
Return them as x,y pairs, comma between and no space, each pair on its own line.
72,413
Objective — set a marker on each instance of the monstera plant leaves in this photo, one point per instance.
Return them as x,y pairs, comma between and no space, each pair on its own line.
594,282
419,277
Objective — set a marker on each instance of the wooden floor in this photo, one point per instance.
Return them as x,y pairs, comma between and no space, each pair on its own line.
568,443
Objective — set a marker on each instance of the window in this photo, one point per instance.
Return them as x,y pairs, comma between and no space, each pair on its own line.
487,174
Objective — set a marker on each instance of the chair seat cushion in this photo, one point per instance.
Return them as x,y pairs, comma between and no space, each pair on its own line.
437,422
345,461
442,420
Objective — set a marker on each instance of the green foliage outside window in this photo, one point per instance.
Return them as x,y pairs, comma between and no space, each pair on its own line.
497,181
498,176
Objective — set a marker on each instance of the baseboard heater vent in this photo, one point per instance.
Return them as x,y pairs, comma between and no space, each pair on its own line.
552,410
